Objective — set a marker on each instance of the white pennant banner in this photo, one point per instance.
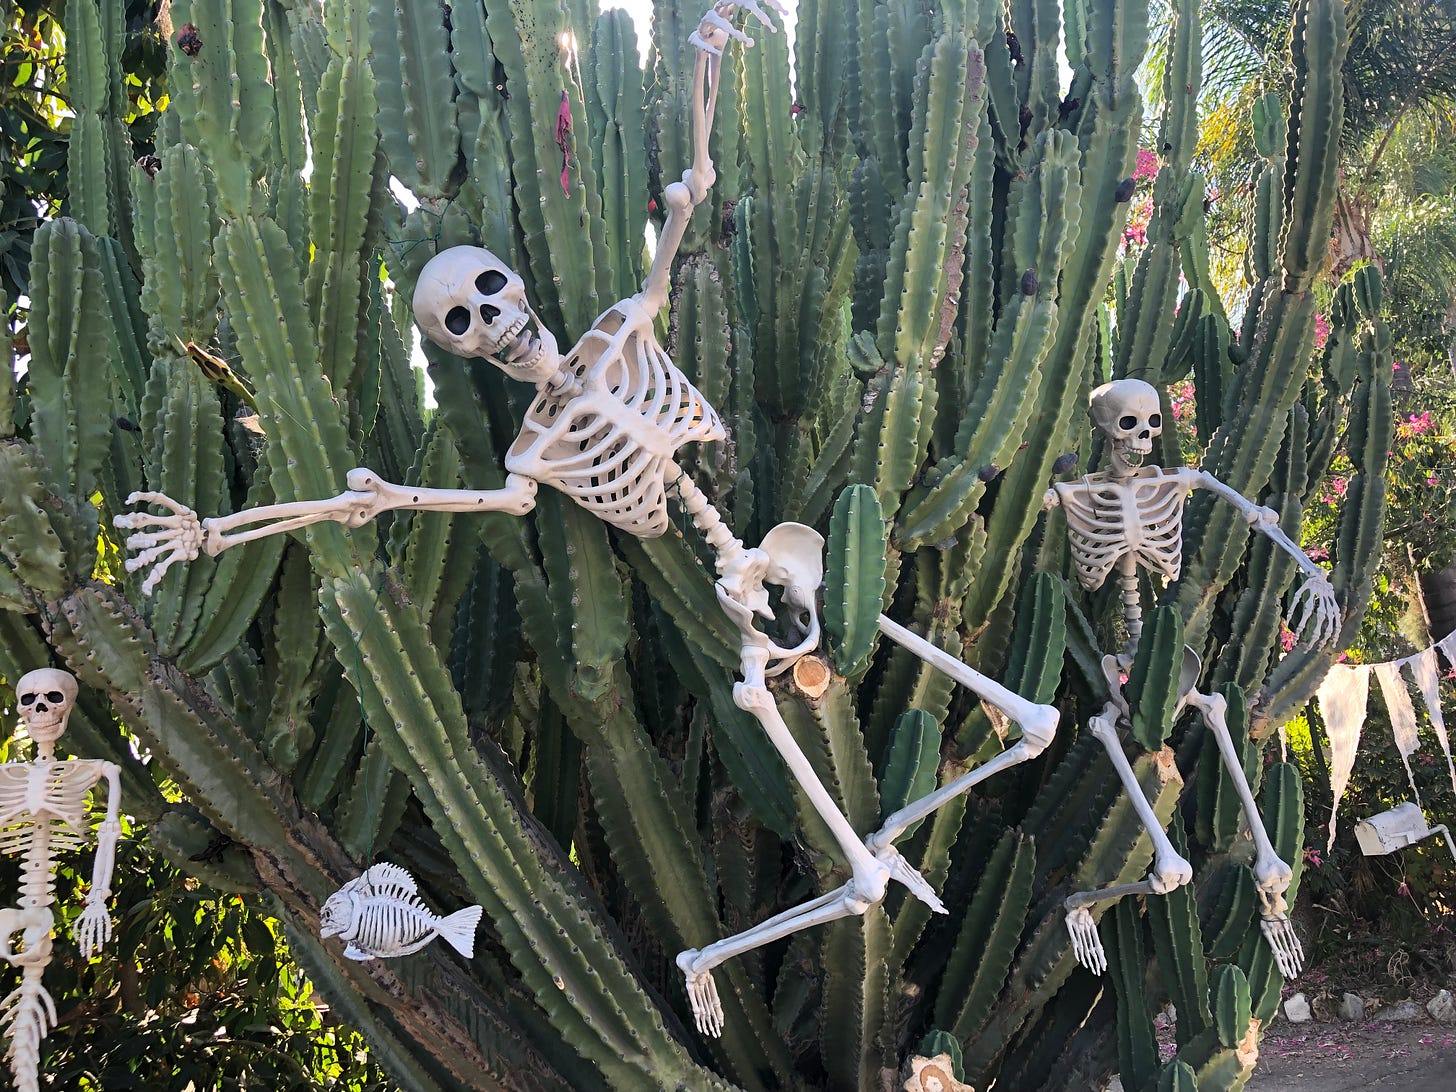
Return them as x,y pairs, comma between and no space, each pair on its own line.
1342,698
1425,670
1402,717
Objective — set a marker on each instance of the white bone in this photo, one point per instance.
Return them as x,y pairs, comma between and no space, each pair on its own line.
1272,876
44,811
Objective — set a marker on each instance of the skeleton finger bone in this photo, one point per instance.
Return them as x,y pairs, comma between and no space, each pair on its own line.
1282,941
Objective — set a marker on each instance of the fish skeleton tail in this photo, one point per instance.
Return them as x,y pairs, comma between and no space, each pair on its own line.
27,1014
459,930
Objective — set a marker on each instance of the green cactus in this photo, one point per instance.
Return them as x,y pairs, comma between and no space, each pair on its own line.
896,300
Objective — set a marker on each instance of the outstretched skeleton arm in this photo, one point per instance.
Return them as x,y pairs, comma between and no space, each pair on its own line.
180,535
1315,608
93,927
683,197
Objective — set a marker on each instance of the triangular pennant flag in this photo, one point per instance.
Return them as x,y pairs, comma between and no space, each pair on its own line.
1426,671
1402,718
1342,698
1447,645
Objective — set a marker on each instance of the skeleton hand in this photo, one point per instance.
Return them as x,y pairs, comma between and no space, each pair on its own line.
179,537
715,29
1315,613
93,928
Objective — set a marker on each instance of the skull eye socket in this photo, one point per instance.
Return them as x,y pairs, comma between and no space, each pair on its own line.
1126,422
55,697
491,281
457,320
1155,421
28,699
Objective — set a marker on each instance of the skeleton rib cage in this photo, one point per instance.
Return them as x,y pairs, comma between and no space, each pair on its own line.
1109,520
610,447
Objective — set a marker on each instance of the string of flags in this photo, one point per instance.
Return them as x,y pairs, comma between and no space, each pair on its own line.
1342,700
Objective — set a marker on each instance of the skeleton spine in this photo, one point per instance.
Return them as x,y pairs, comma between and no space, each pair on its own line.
1132,607
726,547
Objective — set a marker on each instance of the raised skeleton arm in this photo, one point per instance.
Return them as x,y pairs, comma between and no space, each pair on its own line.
681,198
180,536
1315,608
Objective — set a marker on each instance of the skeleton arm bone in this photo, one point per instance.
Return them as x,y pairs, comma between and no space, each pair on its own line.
93,927
683,197
180,536
1315,607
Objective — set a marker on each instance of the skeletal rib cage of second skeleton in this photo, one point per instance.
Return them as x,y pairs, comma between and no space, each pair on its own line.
605,426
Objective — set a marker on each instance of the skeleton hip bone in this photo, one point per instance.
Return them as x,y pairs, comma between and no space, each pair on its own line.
46,698
471,303
1127,410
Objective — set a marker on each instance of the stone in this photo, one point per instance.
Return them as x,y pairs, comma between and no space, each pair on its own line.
1296,1009
1442,1008
1402,1012
1352,1007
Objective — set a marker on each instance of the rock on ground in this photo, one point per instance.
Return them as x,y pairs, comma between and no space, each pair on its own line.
1296,1008
1442,1007
1352,1007
1401,1012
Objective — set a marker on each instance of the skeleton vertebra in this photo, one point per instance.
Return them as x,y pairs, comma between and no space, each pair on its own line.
1128,518
43,811
604,428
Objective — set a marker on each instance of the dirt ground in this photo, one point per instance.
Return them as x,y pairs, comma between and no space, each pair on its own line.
1344,1056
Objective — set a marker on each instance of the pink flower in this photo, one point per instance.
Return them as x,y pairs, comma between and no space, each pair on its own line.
1431,479
1287,639
1321,330
1334,489
1403,890
1312,856
1318,553
1147,164
1181,394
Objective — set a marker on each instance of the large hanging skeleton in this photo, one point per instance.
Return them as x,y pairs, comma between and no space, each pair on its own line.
604,429
44,811
1131,517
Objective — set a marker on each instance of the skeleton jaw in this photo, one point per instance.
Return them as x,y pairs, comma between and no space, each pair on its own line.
1127,457
526,351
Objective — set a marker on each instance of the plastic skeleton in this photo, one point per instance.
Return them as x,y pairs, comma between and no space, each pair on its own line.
43,811
604,428
1131,517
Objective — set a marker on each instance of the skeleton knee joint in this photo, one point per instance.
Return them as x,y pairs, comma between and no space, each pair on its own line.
1038,730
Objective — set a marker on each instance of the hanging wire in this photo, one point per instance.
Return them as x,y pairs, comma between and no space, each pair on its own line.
432,239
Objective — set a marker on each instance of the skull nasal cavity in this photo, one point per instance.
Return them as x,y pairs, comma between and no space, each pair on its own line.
457,320
1127,422
491,281
488,313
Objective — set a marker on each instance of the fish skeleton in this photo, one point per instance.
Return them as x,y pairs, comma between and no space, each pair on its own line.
379,915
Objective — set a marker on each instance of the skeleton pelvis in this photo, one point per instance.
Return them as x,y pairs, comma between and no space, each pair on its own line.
33,924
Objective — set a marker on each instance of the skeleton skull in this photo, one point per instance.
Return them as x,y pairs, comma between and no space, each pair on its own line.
46,698
1127,411
470,303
